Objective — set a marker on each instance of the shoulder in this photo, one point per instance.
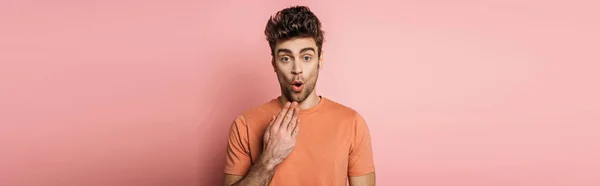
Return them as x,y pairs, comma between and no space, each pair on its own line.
342,111
347,116
257,117
265,109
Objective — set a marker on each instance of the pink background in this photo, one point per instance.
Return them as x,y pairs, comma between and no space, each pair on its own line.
131,92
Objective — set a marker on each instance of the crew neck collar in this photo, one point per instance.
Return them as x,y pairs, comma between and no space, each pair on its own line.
304,111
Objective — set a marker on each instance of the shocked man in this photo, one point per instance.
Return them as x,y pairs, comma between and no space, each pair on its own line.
299,138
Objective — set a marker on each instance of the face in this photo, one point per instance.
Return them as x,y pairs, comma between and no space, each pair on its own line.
297,66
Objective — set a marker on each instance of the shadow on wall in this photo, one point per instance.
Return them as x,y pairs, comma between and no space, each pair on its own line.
238,87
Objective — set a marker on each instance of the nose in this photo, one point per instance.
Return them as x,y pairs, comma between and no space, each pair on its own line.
297,68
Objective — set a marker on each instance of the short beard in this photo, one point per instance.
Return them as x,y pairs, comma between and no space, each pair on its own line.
288,93
309,89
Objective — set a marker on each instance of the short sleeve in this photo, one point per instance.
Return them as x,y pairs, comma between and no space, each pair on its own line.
360,161
238,154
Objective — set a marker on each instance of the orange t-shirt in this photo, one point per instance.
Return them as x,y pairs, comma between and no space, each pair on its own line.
333,143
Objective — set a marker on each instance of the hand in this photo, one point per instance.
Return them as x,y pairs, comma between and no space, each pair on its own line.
280,137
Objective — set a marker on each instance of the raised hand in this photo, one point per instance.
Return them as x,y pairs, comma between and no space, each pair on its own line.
280,137
278,142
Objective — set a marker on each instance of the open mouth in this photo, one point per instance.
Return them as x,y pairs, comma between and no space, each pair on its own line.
297,86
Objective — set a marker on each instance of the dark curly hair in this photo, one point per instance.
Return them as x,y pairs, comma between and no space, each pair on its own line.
295,21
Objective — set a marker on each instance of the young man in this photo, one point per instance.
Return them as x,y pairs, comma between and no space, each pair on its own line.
298,138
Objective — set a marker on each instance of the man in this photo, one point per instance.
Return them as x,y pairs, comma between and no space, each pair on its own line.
298,138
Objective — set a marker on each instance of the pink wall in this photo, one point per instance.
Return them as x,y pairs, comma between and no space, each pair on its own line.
467,93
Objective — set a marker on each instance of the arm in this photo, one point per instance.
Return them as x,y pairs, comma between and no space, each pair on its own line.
361,167
230,179
260,174
279,141
364,180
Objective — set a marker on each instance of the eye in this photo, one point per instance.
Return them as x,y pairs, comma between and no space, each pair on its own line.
285,59
307,58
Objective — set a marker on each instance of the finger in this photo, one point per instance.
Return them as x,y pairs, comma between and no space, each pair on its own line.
288,116
280,117
290,126
272,121
296,128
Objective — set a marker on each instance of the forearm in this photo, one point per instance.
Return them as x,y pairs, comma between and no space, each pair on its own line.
259,175
364,180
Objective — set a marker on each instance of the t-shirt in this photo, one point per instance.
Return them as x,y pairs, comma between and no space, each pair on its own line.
333,143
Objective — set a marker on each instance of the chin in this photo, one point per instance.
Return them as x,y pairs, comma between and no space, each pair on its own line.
297,97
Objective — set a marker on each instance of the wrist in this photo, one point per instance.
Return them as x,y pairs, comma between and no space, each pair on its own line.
268,164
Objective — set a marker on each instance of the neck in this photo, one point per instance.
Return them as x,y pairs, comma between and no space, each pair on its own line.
310,101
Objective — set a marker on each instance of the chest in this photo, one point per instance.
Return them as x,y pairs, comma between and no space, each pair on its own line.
320,146
318,143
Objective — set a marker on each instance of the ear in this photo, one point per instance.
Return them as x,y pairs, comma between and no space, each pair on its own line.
320,66
273,64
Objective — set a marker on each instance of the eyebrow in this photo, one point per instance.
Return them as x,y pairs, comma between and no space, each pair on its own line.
307,49
285,50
